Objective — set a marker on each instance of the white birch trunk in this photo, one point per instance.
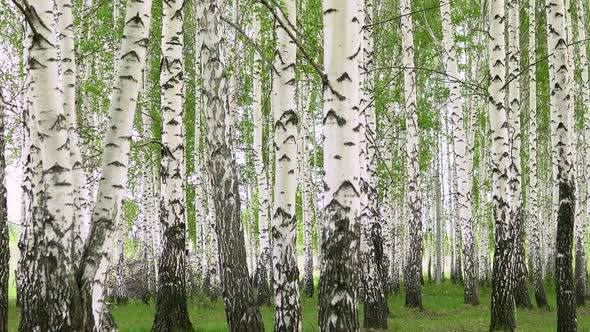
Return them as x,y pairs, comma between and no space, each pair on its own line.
95,258
413,270
241,311
371,244
582,288
562,108
502,316
464,176
338,308
57,308
284,222
534,213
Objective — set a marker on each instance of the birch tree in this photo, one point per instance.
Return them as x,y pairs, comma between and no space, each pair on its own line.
534,213
371,245
582,289
284,223
95,259
241,311
563,110
171,307
502,315
51,233
68,89
521,295
413,272
4,251
338,309
464,178
260,168
306,191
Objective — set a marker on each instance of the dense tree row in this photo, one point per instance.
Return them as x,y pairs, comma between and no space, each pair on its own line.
241,149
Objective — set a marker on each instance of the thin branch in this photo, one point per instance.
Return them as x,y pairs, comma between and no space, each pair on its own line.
252,42
315,66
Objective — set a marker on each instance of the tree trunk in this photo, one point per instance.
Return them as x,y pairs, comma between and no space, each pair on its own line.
284,223
521,294
147,248
338,308
582,289
464,177
263,294
171,306
414,262
563,110
371,245
502,315
306,192
95,259
4,250
68,89
534,213
240,308
48,265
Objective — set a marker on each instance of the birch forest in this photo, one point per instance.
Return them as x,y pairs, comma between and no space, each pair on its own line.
294,165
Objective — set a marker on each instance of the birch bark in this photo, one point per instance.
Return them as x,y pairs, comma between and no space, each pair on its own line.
563,111
338,309
534,213
414,262
464,177
284,223
95,258
502,315
241,311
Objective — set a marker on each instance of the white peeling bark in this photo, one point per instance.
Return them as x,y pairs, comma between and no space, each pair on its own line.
464,176
371,245
502,316
171,306
95,258
582,288
284,222
338,309
562,108
68,89
241,311
413,270
263,192
58,307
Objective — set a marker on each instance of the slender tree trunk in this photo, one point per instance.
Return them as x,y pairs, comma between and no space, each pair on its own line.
306,192
371,245
521,294
338,309
147,245
198,163
438,219
240,308
284,223
171,306
95,259
68,89
4,250
464,177
455,214
582,289
263,294
534,213
502,315
563,110
413,270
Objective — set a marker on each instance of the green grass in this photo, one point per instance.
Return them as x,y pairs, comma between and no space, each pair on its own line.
443,311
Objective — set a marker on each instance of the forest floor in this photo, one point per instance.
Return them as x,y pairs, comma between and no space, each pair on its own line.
443,311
